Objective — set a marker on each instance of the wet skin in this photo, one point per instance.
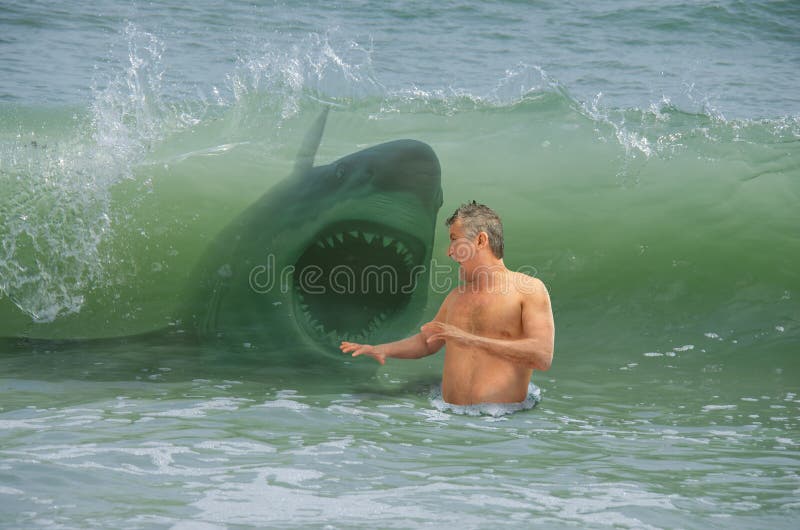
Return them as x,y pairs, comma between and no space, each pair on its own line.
497,327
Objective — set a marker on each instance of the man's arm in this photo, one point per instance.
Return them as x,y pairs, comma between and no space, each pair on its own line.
413,347
410,348
534,349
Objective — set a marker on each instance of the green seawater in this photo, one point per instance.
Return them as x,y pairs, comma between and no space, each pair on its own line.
644,160
668,246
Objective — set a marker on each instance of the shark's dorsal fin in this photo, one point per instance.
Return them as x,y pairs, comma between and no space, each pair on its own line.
305,157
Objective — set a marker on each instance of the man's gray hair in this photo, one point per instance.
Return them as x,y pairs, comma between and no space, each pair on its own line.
477,218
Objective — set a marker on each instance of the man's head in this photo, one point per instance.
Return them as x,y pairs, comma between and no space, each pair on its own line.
480,226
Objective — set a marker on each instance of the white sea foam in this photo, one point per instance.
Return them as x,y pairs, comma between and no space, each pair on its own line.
490,409
235,447
202,409
711,408
284,404
355,411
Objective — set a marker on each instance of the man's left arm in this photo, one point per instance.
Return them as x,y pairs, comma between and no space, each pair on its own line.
534,349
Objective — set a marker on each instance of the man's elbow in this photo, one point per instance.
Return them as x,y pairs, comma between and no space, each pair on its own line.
544,365
543,362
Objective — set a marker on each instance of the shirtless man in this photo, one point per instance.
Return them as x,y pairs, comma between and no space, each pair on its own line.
497,325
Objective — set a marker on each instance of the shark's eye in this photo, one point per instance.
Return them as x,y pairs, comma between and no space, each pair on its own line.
341,171
335,179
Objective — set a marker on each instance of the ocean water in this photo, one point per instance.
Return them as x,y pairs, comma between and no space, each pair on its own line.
645,160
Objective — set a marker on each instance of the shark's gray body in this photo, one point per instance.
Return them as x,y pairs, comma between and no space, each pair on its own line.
332,252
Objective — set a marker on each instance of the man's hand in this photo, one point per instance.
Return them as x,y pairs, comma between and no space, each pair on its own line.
362,349
436,331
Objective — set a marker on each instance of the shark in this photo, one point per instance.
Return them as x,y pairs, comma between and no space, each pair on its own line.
333,252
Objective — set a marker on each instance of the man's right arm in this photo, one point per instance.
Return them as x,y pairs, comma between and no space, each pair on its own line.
413,347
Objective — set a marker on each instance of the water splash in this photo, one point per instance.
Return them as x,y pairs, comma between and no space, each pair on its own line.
57,186
317,67
55,206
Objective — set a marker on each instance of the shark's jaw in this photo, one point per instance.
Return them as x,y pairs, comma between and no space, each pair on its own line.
354,279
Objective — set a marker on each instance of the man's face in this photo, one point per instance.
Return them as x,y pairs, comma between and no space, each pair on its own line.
461,249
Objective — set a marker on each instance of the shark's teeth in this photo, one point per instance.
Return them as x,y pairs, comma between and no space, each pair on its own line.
350,246
334,336
371,238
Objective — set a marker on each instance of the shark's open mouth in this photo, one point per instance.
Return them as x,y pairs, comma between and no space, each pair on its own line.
353,278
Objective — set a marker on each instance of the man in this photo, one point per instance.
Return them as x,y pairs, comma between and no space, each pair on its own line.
497,325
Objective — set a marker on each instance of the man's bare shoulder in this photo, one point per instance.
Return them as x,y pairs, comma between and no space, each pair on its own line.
528,285
441,315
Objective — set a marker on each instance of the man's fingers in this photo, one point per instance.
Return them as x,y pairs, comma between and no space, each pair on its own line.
349,346
434,327
369,351
356,350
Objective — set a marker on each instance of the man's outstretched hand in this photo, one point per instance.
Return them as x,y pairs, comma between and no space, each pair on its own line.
362,349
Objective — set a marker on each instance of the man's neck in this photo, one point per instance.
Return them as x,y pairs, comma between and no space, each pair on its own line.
487,277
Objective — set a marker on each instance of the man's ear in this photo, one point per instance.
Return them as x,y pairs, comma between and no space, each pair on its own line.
483,239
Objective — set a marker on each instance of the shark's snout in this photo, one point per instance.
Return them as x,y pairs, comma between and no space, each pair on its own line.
408,166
